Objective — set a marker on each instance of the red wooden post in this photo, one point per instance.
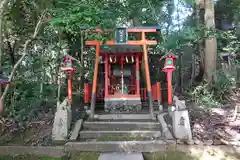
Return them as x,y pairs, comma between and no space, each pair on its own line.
169,84
86,96
106,75
70,88
169,68
95,76
137,76
68,68
159,91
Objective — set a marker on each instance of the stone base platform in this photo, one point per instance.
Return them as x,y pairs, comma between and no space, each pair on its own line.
121,105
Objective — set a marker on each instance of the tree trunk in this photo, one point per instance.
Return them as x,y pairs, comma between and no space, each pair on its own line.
25,52
200,46
210,42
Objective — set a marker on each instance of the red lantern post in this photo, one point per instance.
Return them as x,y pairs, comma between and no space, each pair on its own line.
169,68
68,68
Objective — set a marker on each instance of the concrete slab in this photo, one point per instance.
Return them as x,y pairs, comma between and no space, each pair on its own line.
120,156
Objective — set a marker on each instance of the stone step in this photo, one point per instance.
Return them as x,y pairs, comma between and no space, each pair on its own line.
119,138
124,117
120,156
98,125
101,134
120,146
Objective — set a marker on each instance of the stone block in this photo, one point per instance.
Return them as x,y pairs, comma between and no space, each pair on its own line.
76,129
160,108
62,122
171,109
181,125
179,104
165,131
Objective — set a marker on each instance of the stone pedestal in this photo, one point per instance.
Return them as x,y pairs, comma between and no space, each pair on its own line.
181,125
123,106
62,122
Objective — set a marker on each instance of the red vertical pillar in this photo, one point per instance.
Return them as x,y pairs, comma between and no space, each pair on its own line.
169,84
70,88
86,96
158,91
106,69
137,76
147,74
95,77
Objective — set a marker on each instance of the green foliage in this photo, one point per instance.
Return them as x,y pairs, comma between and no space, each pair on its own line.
222,85
74,14
188,36
213,95
228,9
190,2
229,42
26,100
203,95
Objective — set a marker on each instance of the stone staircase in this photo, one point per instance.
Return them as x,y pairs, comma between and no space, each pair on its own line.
120,133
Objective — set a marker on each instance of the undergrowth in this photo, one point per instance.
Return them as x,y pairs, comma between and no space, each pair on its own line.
214,94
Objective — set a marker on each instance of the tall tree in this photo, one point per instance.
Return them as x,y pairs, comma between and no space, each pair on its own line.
210,42
200,22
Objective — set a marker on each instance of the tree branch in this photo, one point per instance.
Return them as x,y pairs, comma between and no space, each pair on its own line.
25,52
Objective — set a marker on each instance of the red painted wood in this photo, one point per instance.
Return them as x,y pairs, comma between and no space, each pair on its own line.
106,69
169,84
137,70
130,30
141,42
159,91
89,92
86,96
122,53
70,88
